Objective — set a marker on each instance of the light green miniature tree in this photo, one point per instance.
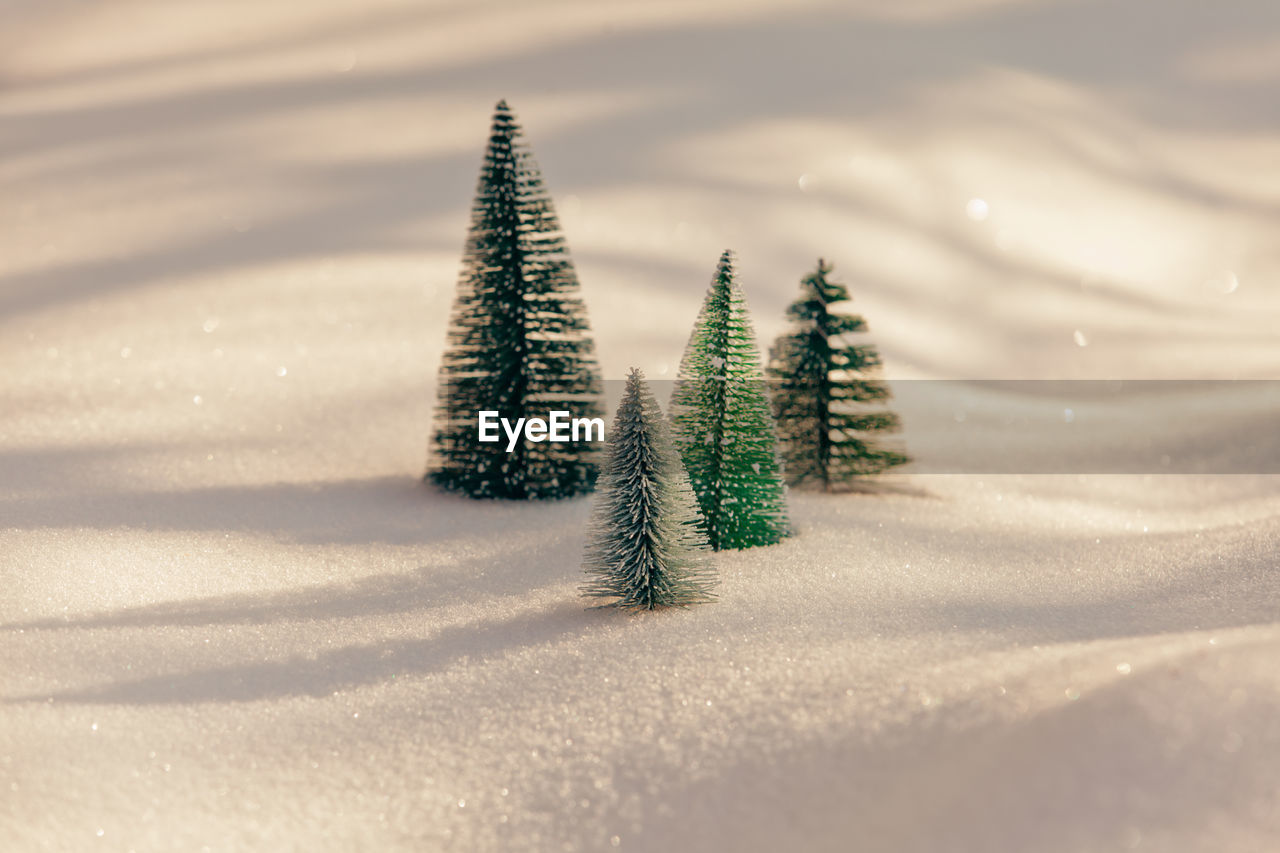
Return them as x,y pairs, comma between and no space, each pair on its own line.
724,427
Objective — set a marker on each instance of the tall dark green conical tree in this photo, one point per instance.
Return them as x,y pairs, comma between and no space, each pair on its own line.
519,343
821,384
646,550
724,428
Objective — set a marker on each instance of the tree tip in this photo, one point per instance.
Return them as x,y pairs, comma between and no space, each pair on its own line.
502,106
724,269
635,384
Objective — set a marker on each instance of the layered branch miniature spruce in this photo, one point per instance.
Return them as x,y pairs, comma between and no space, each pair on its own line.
822,386
724,426
646,550
519,343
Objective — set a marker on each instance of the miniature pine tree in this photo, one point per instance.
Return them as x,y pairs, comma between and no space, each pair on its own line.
646,550
724,428
820,385
519,343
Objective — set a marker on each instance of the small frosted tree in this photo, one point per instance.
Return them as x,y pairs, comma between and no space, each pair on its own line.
724,428
519,343
822,387
645,550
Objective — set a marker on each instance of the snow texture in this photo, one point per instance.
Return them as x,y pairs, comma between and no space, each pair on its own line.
231,617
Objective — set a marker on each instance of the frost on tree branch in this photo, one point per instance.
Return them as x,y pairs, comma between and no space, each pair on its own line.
646,549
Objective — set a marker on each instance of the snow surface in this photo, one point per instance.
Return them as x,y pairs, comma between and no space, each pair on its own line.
232,618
